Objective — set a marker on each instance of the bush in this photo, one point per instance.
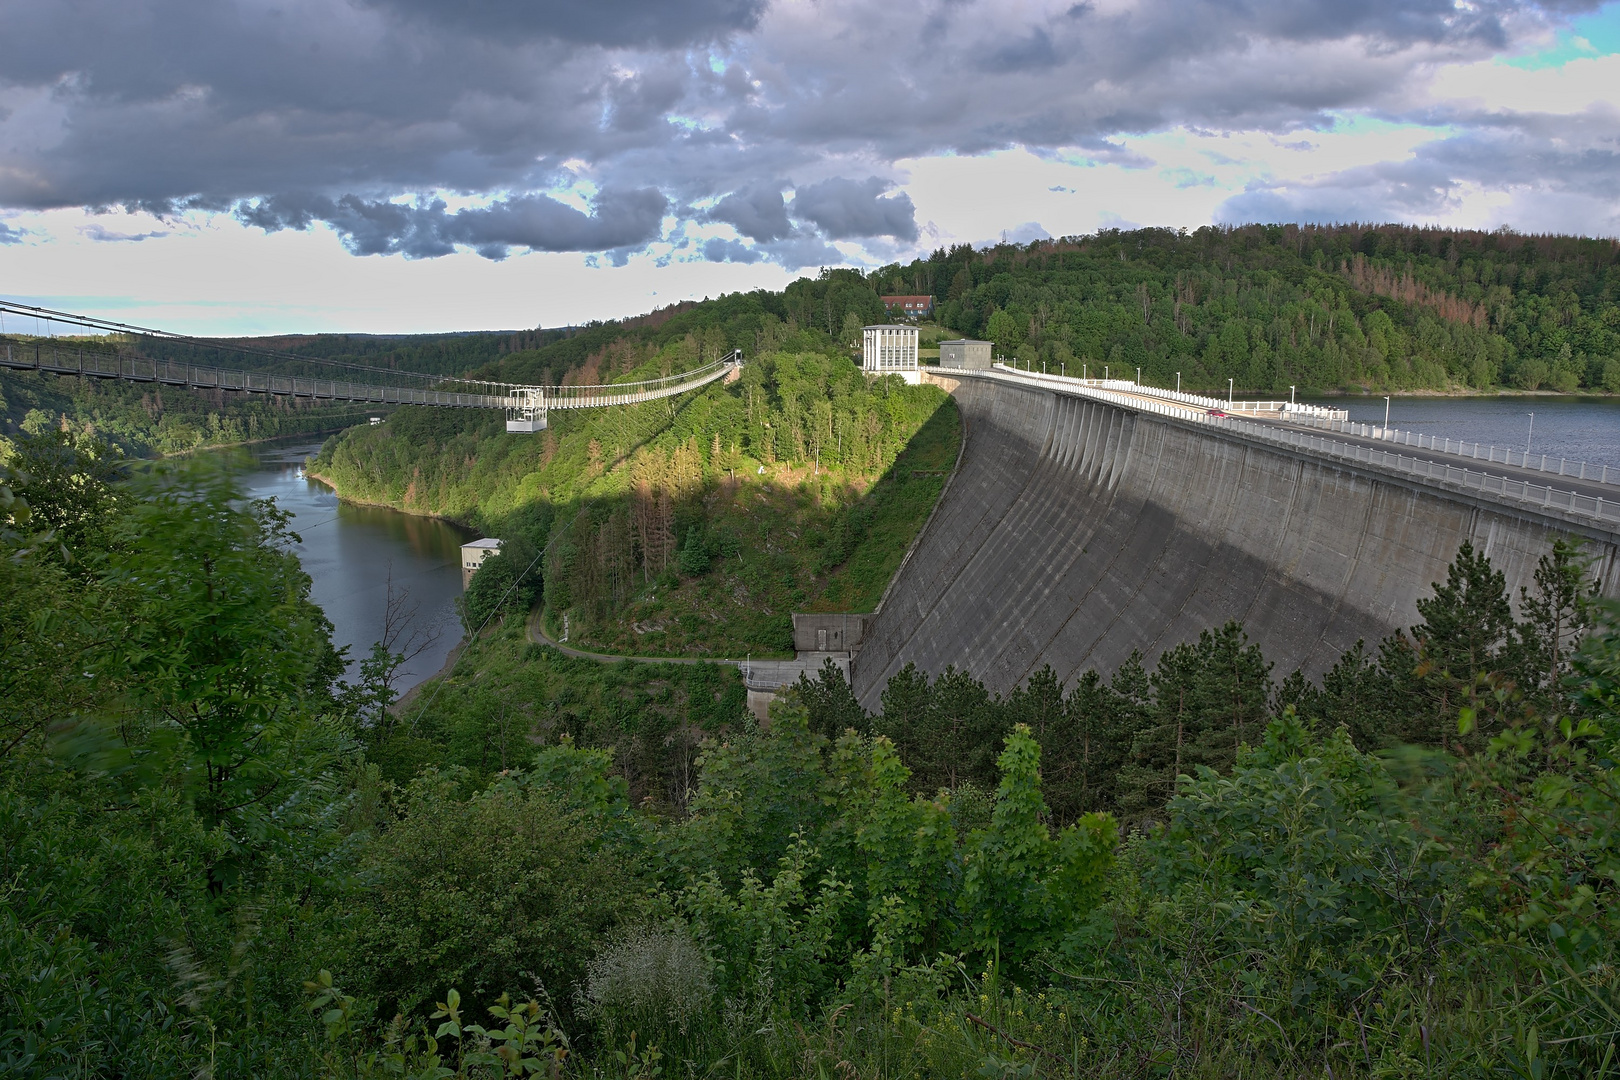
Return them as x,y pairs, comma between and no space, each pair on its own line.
480,893
507,581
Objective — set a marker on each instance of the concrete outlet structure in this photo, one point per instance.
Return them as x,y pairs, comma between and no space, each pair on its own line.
1076,530
838,632
966,353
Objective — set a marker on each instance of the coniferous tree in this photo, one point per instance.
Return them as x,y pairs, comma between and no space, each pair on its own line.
1436,668
1557,614
1355,694
831,703
1209,698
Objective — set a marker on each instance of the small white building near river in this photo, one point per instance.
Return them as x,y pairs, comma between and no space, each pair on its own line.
473,556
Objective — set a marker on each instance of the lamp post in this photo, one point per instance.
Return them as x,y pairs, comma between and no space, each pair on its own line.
1229,396
1290,394
1178,382
1105,373
1527,435
1386,412
1063,368
1138,376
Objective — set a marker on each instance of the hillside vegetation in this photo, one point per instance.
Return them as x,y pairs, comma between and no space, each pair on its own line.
1323,308
688,526
218,861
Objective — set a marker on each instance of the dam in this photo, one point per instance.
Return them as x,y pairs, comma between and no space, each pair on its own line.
1080,526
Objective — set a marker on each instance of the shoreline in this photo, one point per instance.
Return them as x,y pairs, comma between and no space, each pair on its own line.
352,501
1591,396
252,442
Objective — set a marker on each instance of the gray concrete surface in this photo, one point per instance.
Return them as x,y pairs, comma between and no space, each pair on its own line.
1076,531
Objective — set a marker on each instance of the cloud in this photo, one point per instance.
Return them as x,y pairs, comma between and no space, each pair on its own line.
9,235
1542,173
854,209
721,250
103,235
426,229
373,116
759,213
1027,233
594,22
804,248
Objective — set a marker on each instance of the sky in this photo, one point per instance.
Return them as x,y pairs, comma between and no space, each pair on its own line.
412,166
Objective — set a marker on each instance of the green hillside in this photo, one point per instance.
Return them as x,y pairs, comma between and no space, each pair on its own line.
1323,308
688,526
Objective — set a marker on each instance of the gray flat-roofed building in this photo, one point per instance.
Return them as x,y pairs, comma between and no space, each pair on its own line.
889,350
965,353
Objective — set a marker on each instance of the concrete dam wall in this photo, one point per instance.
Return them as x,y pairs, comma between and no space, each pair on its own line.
1075,531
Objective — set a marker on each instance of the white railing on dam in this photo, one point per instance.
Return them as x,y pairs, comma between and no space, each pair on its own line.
1291,409
1519,459
1520,492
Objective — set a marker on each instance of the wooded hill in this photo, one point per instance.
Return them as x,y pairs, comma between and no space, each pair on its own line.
1323,308
689,526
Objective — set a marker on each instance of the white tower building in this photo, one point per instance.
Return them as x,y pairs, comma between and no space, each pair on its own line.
890,350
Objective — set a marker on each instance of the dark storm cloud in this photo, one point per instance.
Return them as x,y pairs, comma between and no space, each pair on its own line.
622,219
594,22
356,114
758,213
856,209
718,250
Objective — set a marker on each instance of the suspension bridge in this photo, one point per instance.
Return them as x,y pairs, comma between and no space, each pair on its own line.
526,407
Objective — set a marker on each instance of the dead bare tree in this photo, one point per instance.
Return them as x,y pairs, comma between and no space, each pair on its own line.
405,634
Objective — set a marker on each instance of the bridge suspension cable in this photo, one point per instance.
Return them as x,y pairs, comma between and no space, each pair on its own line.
526,406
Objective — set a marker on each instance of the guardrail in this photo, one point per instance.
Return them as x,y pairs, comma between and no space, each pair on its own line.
630,393
1578,470
1290,409
93,364
1521,492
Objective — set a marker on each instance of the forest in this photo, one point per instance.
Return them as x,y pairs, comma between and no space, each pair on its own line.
1328,309
220,861
684,527
1325,308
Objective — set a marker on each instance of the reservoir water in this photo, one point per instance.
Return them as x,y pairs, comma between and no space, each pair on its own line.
1576,428
352,552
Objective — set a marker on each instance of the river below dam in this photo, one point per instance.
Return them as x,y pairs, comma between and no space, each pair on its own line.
352,552
1573,428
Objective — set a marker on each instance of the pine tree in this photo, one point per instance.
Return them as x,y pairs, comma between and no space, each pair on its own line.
1437,669
831,703
1556,616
